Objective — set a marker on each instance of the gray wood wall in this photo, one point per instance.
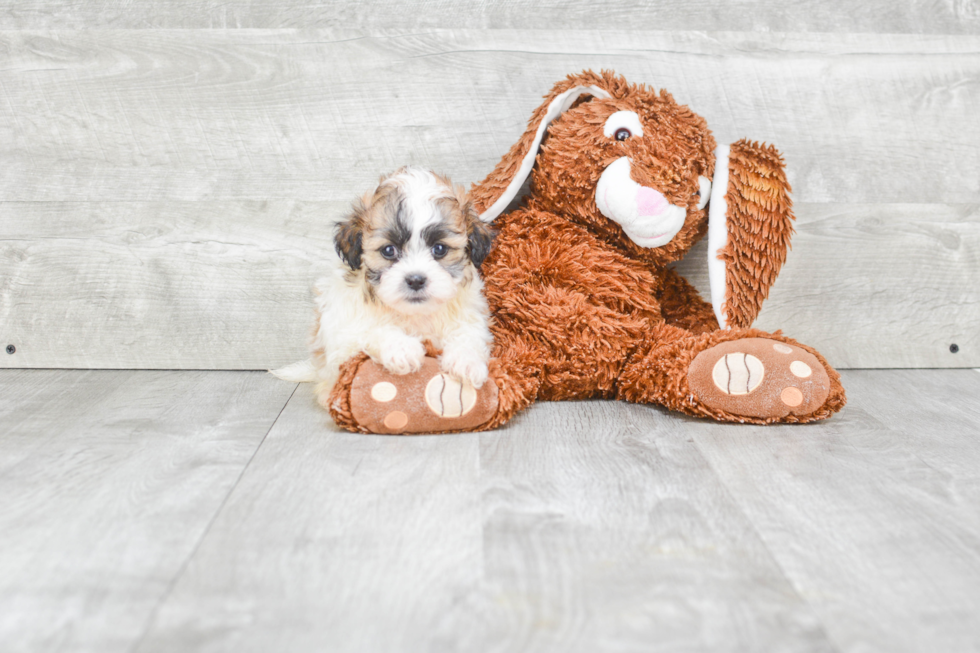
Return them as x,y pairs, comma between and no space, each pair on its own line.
169,171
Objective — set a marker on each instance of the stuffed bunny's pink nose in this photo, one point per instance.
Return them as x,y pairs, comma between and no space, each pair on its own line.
650,202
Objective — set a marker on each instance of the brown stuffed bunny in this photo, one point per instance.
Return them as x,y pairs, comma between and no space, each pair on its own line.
583,303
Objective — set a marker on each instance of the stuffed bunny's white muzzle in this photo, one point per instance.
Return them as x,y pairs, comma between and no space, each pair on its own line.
646,216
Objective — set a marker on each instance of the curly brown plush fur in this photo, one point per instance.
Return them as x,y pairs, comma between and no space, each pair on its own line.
582,311
758,199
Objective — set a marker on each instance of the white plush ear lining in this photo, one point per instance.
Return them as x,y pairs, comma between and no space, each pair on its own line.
718,233
559,105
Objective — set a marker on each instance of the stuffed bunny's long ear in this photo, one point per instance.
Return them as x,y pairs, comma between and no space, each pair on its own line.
493,194
750,223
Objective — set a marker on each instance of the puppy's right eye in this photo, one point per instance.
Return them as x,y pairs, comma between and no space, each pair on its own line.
389,252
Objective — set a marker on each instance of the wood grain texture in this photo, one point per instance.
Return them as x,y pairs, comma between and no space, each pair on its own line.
910,16
192,285
167,194
109,480
128,523
874,515
582,527
318,114
334,541
605,530
227,284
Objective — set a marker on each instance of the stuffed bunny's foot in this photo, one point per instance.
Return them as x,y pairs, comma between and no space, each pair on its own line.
426,401
759,378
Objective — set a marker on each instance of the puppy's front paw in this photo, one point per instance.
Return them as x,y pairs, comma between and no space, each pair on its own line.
465,366
402,355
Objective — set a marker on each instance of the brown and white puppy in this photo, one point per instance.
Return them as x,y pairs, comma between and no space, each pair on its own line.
409,255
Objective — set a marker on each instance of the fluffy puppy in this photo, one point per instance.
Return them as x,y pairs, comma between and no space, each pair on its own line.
407,272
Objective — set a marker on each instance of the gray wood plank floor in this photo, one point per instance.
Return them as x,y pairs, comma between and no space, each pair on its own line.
222,511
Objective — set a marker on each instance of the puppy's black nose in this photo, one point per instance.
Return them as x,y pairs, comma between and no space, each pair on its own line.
415,281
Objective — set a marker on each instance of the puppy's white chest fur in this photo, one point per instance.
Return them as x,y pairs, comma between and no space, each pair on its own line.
349,325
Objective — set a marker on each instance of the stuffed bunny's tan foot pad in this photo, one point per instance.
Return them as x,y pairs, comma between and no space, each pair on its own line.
758,377
427,401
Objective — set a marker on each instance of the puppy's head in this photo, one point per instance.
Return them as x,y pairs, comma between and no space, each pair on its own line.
414,242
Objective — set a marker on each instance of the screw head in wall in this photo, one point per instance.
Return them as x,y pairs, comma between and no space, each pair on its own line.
11,349
954,348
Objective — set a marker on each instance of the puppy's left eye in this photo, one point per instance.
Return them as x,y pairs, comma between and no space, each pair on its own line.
389,252
439,250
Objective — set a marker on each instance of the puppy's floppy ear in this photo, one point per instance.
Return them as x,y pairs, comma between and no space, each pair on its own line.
750,223
492,195
479,235
349,235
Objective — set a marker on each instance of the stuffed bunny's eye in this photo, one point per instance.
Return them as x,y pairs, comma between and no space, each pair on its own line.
704,191
622,125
